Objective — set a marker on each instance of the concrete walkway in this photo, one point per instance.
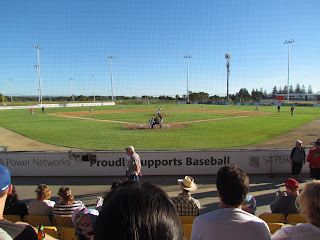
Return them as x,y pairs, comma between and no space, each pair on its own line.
87,189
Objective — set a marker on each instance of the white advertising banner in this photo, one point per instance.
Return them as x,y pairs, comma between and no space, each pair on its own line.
153,162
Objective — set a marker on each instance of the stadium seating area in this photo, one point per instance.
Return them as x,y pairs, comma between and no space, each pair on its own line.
61,227
276,220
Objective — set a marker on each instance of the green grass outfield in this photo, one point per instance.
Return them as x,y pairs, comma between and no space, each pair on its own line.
99,135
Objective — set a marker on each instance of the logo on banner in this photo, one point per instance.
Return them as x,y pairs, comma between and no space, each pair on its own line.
254,161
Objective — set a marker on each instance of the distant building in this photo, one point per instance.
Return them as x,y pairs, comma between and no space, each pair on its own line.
299,97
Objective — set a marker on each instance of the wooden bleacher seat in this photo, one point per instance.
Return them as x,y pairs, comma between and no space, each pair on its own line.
295,218
273,227
187,228
52,231
13,218
63,221
68,234
273,217
34,220
187,219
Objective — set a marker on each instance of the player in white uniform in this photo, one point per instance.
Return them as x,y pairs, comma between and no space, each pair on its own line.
159,110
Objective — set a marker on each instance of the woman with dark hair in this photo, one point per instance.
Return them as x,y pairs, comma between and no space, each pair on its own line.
42,206
138,211
68,204
13,206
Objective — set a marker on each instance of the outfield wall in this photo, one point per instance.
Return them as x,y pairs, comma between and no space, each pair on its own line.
176,163
97,104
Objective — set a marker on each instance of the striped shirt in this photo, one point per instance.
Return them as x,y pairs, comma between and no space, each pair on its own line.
61,209
186,205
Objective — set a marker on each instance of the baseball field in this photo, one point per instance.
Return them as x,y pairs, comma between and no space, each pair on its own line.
185,127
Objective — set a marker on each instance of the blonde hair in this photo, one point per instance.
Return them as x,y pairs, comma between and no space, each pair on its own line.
43,192
65,194
309,202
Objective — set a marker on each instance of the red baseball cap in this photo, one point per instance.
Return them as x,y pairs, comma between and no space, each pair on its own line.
291,183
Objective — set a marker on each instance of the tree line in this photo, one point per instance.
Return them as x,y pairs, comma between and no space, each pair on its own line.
242,95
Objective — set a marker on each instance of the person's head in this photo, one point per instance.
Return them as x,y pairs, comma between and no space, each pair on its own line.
317,143
12,198
298,144
43,192
115,185
65,195
309,202
5,181
138,211
129,150
232,185
187,184
292,186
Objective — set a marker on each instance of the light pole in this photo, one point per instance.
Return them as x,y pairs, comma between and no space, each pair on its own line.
187,57
11,88
288,42
228,56
72,89
39,76
111,57
94,96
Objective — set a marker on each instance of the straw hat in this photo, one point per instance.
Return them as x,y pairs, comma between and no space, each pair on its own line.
188,183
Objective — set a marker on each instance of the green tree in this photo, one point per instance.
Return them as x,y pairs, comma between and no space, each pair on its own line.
274,90
244,94
298,88
310,89
291,89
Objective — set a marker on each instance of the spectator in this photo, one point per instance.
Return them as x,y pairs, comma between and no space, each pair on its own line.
42,206
138,211
84,221
314,160
250,205
230,222
286,203
309,204
184,203
133,164
13,206
298,158
9,230
67,205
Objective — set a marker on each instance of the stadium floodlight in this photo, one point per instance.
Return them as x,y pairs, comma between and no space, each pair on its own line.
11,88
72,89
228,56
187,57
39,76
111,57
94,96
288,42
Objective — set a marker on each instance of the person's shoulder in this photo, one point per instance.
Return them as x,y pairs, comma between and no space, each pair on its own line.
49,203
18,231
288,230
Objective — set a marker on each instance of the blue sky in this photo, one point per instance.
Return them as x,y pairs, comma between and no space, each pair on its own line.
149,40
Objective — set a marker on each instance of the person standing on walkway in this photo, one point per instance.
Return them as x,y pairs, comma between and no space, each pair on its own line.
314,160
297,158
133,164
